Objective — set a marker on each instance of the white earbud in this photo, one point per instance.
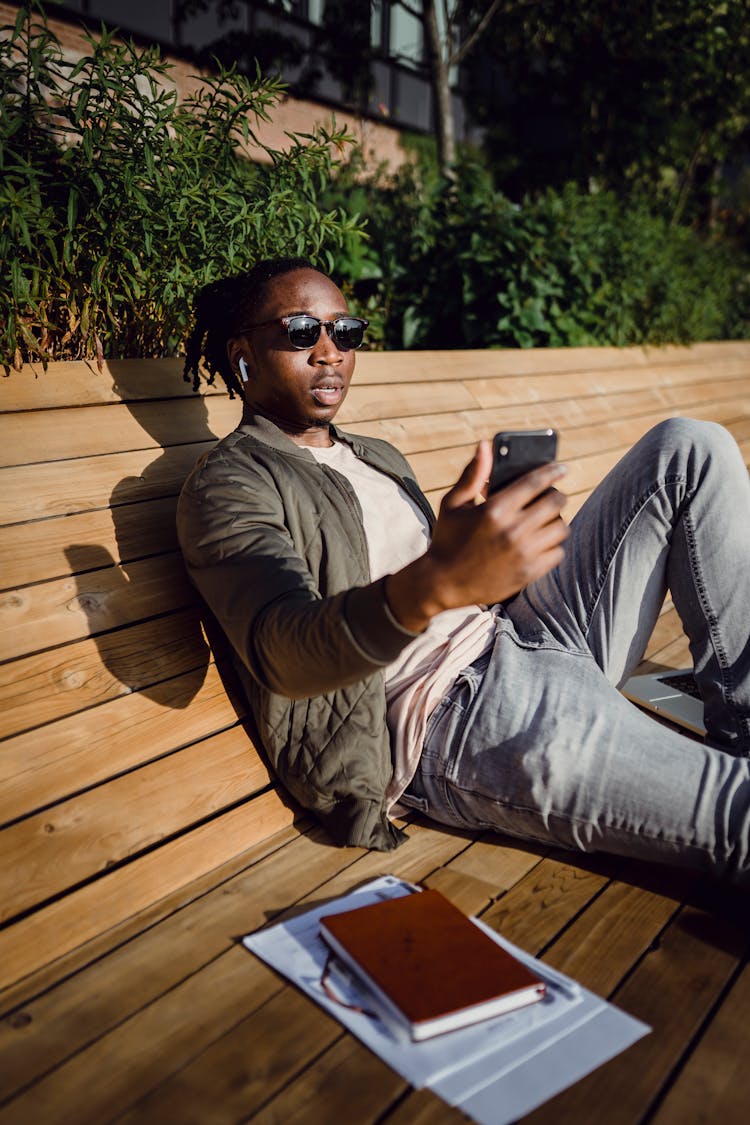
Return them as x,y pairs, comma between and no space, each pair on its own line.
243,369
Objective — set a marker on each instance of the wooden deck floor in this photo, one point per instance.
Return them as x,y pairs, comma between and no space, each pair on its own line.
174,1021
141,834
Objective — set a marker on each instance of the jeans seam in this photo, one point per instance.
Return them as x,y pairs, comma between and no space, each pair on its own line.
567,818
635,511
727,679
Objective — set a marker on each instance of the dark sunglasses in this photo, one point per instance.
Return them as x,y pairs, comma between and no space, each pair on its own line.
347,332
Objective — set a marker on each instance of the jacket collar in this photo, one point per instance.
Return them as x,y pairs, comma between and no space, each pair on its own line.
267,432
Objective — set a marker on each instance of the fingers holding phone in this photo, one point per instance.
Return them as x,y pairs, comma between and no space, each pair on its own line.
485,553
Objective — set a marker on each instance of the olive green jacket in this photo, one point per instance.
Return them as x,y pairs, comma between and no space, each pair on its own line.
274,542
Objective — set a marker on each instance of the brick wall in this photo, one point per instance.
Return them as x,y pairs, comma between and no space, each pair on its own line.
380,142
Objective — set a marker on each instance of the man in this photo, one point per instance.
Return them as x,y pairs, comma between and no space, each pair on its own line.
467,669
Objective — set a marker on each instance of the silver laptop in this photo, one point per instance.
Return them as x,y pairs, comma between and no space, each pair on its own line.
673,695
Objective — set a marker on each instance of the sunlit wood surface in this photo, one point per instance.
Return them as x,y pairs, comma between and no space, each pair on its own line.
141,833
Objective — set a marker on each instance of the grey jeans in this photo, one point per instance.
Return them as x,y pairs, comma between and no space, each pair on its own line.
535,740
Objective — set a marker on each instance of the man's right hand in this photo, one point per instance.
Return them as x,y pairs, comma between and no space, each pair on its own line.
482,553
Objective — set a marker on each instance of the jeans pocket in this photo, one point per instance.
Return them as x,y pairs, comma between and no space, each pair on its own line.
447,723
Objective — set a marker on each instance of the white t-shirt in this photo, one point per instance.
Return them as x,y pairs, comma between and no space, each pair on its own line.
397,533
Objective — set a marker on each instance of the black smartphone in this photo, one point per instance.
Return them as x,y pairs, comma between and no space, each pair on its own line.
516,452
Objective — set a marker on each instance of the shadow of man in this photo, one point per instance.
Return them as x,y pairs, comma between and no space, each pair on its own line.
163,653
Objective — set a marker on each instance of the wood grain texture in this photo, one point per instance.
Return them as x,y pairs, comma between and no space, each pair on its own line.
41,688
88,911
141,830
49,763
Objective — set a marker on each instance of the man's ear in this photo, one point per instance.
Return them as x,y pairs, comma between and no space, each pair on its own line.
238,359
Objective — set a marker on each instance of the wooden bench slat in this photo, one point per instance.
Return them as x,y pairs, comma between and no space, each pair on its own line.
49,763
67,609
483,363
499,392
33,492
77,918
86,431
79,838
625,919
423,432
348,1083
47,549
80,382
38,689
573,414
593,450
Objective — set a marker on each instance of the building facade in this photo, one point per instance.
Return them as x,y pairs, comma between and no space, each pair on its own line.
361,58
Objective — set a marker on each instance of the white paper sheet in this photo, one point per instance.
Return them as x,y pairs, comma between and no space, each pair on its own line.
495,1070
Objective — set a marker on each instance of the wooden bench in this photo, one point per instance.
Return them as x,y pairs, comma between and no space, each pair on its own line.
142,833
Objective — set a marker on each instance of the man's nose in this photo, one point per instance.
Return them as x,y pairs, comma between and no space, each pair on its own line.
325,349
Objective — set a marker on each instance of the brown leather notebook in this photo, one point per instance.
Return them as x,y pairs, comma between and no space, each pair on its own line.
430,967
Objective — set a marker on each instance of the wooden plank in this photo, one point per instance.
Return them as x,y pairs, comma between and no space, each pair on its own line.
349,1083
549,893
590,452
74,840
288,1040
189,947
258,1054
50,763
45,549
79,382
427,431
39,617
86,431
136,972
85,913
673,990
540,905
38,689
495,392
424,1108
479,875
625,920
426,366
715,401
715,1084
540,400
365,402
33,492
80,961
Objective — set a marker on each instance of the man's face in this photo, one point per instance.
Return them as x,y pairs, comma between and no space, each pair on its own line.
300,391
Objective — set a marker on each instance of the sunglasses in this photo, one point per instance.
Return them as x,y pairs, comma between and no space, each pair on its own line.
347,332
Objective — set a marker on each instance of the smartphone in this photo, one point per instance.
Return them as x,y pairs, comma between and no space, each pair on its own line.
516,452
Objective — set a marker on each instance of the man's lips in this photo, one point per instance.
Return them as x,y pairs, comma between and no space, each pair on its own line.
328,392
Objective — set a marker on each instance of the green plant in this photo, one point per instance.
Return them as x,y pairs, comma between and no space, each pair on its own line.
118,200
460,265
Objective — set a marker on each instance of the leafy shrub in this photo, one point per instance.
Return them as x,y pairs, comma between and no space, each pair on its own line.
117,201
460,265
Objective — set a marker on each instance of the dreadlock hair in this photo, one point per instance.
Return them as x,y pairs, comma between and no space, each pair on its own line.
221,309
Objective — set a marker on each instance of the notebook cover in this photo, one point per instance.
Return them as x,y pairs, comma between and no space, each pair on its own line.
427,956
